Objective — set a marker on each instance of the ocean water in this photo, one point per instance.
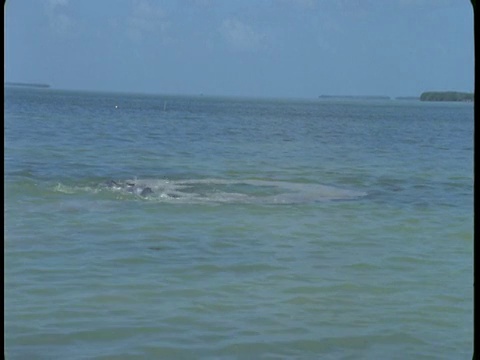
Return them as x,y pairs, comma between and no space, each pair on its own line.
177,227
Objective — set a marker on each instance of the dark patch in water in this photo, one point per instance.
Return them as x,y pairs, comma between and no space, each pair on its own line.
146,191
111,183
156,248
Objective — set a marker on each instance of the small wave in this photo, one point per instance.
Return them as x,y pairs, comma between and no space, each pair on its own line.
65,189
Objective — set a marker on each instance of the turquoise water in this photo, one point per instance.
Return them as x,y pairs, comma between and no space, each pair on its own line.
141,226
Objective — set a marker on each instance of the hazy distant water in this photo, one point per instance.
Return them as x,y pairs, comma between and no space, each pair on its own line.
273,229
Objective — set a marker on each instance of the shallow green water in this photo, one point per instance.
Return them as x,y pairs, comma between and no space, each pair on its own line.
273,229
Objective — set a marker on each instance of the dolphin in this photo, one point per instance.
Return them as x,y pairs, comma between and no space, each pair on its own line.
130,187
146,191
112,183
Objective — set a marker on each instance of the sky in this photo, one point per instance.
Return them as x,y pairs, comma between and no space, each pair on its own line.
252,48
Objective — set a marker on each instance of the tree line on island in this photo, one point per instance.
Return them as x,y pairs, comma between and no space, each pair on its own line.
446,96
425,96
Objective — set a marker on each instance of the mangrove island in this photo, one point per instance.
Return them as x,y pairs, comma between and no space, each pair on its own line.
446,96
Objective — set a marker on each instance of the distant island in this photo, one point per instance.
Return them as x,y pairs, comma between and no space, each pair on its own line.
446,96
27,85
354,97
425,96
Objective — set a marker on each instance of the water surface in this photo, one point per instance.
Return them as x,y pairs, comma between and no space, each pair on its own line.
273,228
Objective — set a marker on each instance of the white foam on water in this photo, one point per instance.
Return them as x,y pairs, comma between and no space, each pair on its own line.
211,190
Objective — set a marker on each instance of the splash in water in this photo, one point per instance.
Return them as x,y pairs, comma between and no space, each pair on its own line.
230,191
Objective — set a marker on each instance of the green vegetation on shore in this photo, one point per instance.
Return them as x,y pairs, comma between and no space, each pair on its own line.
446,96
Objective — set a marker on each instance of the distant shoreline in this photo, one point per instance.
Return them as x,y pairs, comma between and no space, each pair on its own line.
43,86
425,96
446,96
407,98
354,97
428,96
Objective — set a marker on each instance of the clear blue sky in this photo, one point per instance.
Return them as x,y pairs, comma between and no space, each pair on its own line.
264,48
